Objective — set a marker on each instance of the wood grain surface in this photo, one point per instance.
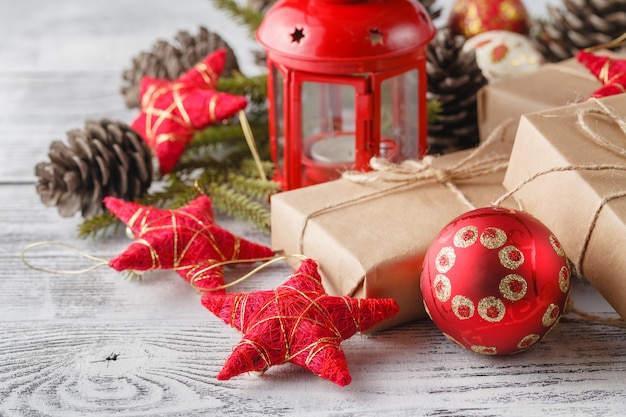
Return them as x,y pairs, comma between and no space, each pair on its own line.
99,344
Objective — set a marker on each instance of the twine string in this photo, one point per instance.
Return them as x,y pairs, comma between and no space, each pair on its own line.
480,162
267,261
99,261
247,132
607,144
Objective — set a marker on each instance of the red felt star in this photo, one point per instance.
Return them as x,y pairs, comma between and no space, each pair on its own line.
611,72
185,239
171,111
296,322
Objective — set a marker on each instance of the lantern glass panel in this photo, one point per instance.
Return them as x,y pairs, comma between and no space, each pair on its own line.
328,130
399,116
278,116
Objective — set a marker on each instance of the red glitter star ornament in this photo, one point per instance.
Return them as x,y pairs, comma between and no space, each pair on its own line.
296,322
611,72
171,111
185,239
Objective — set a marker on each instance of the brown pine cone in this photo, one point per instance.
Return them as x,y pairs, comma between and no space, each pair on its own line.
454,79
168,61
579,25
106,158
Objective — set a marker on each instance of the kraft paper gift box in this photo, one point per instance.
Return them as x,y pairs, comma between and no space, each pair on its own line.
553,85
584,201
370,239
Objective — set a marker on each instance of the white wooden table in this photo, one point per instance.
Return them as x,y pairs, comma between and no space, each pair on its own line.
60,64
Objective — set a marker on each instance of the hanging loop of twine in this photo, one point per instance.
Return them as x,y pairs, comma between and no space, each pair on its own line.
99,261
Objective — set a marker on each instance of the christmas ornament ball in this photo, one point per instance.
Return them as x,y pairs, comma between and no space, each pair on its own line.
495,281
471,17
502,55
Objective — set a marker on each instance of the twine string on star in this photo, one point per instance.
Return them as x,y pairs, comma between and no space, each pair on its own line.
267,261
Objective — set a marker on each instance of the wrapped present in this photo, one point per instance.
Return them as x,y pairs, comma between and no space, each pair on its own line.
568,168
370,234
553,85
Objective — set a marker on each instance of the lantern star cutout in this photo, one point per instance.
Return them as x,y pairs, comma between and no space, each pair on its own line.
171,111
185,240
611,72
296,322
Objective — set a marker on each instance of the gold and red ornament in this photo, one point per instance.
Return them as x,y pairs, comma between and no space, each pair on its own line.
495,281
610,71
186,240
171,111
296,322
502,54
472,17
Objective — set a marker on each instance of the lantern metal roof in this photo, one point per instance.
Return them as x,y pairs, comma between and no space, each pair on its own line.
345,36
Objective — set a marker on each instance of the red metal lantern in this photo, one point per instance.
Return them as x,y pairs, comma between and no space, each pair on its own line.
346,82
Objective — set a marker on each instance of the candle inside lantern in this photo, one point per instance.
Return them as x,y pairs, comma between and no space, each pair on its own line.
336,149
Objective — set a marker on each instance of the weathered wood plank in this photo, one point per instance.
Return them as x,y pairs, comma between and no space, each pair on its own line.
170,366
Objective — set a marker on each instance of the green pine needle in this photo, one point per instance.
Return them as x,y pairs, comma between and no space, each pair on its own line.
240,206
101,224
245,15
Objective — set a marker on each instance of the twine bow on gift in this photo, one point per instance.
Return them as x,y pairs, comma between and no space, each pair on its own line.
480,162
483,160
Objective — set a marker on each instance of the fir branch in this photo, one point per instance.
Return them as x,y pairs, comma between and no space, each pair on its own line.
254,88
240,206
434,110
99,224
248,168
245,15
256,188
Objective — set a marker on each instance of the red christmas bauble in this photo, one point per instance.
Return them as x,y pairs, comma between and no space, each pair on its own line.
495,281
471,17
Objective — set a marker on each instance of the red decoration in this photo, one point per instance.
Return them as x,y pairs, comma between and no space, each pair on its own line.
346,82
471,17
171,111
296,322
611,72
495,281
184,239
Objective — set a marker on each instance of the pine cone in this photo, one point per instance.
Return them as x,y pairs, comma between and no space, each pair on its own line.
454,78
581,24
167,61
428,5
107,158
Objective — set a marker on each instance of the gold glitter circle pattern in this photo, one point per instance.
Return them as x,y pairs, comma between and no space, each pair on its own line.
466,237
564,279
491,309
513,287
528,341
463,307
551,315
493,238
511,257
556,245
485,350
443,289
445,259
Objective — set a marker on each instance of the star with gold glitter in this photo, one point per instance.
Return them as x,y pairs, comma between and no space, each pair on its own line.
171,111
185,240
296,322
610,71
